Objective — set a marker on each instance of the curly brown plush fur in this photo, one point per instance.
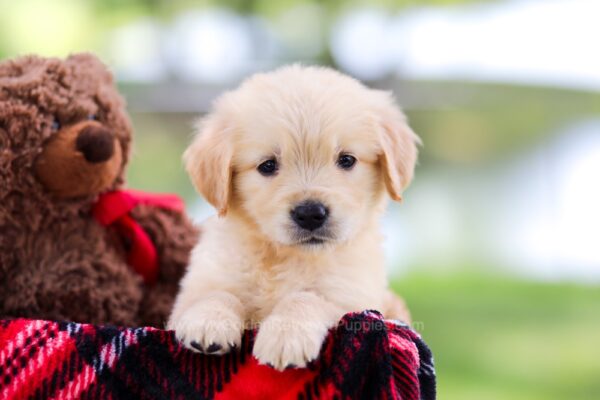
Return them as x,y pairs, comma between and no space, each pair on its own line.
64,139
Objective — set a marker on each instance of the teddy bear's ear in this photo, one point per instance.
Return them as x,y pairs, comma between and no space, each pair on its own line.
84,58
398,146
92,64
208,162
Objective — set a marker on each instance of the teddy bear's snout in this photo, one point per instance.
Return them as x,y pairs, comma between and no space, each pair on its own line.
80,159
96,143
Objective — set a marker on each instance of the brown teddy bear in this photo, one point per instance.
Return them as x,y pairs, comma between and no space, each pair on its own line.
73,244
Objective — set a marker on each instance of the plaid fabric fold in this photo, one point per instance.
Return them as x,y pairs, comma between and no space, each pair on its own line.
365,356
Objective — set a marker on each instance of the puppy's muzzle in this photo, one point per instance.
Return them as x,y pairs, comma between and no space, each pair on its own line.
310,215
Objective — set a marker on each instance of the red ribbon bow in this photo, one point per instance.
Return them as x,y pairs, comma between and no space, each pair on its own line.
113,209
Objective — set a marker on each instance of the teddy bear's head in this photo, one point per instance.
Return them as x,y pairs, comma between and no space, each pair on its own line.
64,132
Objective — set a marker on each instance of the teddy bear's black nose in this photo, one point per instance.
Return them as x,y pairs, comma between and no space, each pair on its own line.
96,143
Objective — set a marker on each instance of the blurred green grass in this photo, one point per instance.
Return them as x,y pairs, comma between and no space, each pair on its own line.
500,338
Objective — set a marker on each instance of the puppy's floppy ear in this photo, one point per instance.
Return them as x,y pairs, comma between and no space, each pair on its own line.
398,147
208,162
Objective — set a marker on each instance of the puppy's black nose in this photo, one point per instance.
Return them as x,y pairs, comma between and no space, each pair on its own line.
310,215
96,143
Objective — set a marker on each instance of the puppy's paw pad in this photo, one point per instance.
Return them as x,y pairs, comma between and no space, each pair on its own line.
214,348
196,346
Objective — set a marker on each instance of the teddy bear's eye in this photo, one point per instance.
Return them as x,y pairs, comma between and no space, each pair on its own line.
92,117
55,124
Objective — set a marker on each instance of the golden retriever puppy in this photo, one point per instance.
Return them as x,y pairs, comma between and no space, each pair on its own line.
298,163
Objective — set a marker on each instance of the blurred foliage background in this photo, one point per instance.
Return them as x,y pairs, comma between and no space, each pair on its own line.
497,244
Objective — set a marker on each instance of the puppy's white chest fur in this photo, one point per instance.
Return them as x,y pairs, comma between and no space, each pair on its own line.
351,276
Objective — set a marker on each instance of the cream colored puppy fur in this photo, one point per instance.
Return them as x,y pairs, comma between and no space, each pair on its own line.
253,265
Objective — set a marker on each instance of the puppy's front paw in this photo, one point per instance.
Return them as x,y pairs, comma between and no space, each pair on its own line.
207,330
285,343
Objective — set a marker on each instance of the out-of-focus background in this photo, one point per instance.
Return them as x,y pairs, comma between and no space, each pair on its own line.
497,244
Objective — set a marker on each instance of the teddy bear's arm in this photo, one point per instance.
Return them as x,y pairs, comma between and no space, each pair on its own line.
174,236
75,284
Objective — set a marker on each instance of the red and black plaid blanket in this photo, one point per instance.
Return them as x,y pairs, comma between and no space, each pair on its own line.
365,357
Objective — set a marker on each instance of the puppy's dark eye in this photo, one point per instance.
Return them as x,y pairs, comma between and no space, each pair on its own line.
55,124
92,117
346,161
268,168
